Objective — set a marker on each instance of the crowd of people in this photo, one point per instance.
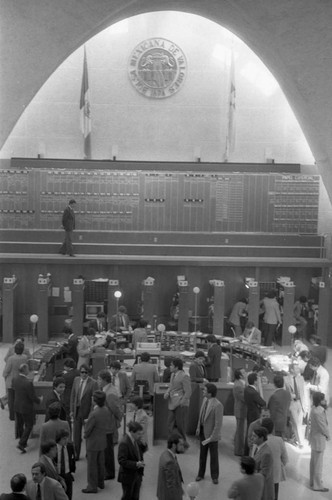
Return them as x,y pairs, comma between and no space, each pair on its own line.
79,407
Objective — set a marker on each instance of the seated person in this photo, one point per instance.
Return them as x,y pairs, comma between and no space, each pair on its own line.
99,324
251,334
145,370
120,321
140,333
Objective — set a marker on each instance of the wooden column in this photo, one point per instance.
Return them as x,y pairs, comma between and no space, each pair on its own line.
149,299
288,316
44,288
253,304
8,309
218,307
78,306
183,323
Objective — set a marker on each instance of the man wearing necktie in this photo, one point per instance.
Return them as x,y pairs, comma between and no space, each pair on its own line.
319,434
42,487
197,370
130,458
66,464
209,430
170,478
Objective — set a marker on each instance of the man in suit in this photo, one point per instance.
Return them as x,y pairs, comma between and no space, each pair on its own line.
25,398
130,458
197,370
81,404
49,429
250,487
114,407
178,395
56,396
42,487
209,432
319,434
65,460
17,484
120,321
70,372
10,372
238,313
98,324
320,379
120,381
68,223
95,432
170,478
264,462
254,402
145,371
213,369
279,454
278,405
47,458
272,316
239,411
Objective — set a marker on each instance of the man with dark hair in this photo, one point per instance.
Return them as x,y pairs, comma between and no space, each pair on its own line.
95,434
272,316
213,369
130,458
300,311
65,460
264,461
279,454
178,395
17,484
279,406
25,398
317,349
50,429
251,486
320,379
197,370
114,407
42,487
121,381
170,480
140,333
56,396
120,321
239,311
70,372
319,434
47,458
254,402
99,324
145,370
68,223
209,432
81,404
10,372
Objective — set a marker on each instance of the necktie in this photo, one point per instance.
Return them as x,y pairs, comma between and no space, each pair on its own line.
204,412
62,461
80,392
38,495
137,450
134,416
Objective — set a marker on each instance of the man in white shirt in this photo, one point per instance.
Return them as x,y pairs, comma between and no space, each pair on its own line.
320,380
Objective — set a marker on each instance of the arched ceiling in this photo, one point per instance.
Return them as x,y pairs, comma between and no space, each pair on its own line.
292,37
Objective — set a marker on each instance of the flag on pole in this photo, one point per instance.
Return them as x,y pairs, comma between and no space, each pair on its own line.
230,137
85,110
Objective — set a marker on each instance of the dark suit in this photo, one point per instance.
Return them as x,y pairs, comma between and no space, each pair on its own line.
129,475
13,496
169,478
95,434
70,467
213,368
319,434
50,468
279,407
69,378
52,397
240,415
98,325
80,409
51,490
119,322
49,430
114,406
209,427
197,372
254,402
68,223
264,465
25,398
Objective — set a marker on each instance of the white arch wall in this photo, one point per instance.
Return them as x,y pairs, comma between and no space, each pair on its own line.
168,129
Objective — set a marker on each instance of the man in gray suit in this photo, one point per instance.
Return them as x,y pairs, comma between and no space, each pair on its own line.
169,474
319,434
96,429
279,406
178,395
42,487
145,371
208,430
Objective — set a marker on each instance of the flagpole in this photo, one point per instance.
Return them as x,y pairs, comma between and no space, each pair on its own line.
85,117
230,136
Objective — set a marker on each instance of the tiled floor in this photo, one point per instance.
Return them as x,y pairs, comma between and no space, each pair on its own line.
296,486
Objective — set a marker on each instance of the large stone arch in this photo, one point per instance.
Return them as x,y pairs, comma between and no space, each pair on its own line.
292,37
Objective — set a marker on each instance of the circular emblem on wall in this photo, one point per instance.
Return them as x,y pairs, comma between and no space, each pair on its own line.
157,68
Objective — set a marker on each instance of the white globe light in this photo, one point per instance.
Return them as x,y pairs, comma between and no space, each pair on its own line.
192,490
196,289
292,329
117,294
161,327
34,318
